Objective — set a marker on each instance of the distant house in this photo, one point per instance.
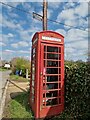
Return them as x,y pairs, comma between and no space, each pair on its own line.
7,65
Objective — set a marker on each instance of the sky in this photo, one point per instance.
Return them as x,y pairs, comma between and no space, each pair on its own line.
18,28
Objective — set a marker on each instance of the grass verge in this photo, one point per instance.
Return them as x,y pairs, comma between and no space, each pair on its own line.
18,78
3,69
19,107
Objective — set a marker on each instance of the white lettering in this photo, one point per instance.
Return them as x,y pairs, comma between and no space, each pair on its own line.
51,38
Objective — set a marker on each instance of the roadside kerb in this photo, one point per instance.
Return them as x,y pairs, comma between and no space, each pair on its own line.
2,104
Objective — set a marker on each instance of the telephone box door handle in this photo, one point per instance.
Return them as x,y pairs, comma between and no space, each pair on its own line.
41,73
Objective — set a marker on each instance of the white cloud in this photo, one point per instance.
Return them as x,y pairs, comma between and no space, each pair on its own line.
72,53
54,5
8,51
27,5
83,22
48,0
8,54
66,14
13,15
74,15
2,44
61,31
23,51
10,35
14,4
18,51
70,23
6,37
24,35
23,44
76,44
49,13
10,23
82,9
69,5
0,37
20,44
0,18
14,45
76,35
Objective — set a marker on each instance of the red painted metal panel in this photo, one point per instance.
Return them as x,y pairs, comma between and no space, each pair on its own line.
48,78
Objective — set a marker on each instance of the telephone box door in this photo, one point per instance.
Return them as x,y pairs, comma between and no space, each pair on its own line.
51,79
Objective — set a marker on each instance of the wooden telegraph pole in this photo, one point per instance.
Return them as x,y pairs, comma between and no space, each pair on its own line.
44,15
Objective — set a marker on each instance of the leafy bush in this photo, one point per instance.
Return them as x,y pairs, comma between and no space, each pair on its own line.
77,91
20,64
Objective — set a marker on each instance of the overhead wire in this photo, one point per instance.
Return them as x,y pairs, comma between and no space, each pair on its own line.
54,21
16,8
42,16
67,25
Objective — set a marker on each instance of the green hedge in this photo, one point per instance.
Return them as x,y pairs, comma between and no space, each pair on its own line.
77,91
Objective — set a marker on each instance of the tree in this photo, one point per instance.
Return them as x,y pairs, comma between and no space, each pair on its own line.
20,64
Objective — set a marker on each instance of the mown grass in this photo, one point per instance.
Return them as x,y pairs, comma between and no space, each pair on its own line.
19,107
18,78
3,69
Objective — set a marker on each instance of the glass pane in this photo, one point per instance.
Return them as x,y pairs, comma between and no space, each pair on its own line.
34,50
45,48
59,100
33,69
52,78
52,102
59,78
59,92
52,63
52,49
44,87
33,57
33,78
51,86
59,63
51,94
52,56
44,55
32,90
32,98
59,70
32,83
45,62
52,71
44,95
59,50
59,85
59,56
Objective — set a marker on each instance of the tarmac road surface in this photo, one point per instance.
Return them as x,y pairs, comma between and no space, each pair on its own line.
3,78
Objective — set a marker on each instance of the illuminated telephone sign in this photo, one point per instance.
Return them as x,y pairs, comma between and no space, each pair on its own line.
47,74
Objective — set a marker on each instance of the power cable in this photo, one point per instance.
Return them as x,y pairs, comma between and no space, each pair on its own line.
16,8
42,17
67,25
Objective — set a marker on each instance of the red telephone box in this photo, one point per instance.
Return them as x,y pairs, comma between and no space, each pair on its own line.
47,74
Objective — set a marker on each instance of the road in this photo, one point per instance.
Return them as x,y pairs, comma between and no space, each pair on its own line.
3,78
